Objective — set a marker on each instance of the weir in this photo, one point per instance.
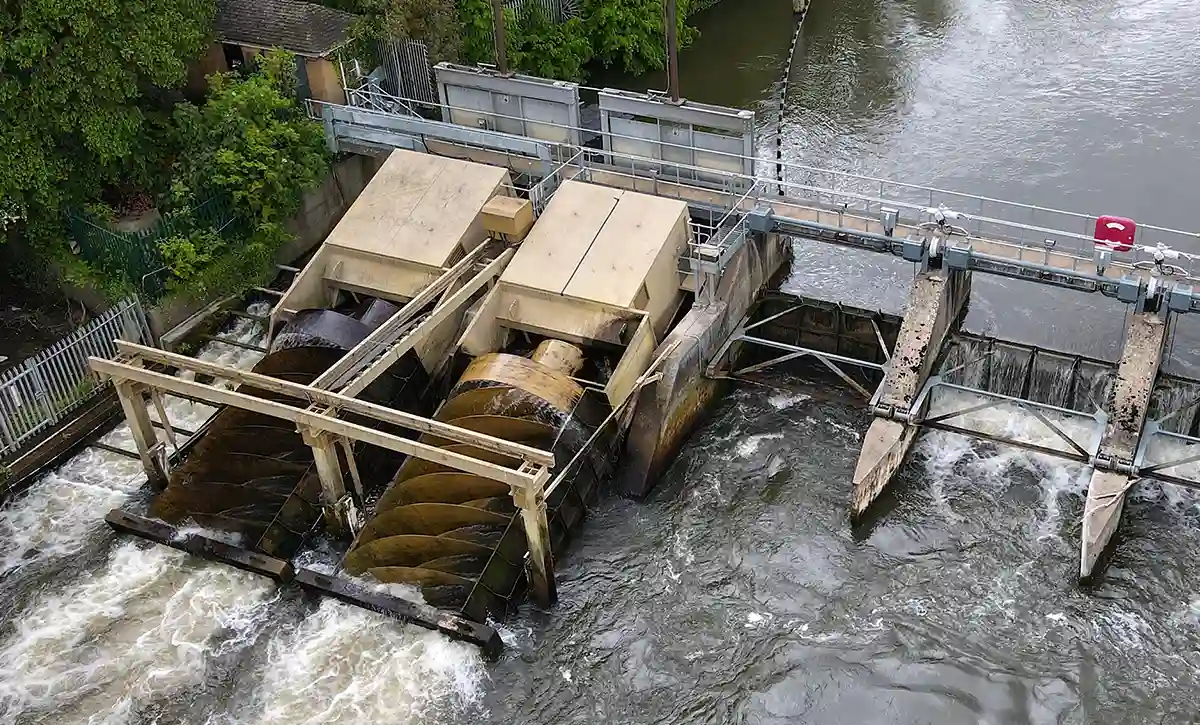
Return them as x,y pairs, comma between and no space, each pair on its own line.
519,308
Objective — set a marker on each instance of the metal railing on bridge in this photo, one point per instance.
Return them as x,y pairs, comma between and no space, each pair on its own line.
1034,231
45,388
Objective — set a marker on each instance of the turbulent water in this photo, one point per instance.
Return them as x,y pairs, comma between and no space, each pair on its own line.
105,630
738,592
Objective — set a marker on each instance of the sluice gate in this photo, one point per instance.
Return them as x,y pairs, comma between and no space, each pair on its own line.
1081,404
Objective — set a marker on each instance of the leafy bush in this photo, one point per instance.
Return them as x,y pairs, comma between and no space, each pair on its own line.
81,96
252,144
539,46
475,19
625,34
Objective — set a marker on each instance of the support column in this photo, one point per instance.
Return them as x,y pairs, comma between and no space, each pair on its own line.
532,503
498,37
935,305
152,452
340,511
1127,405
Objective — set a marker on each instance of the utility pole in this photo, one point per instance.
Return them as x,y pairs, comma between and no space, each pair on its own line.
672,52
498,35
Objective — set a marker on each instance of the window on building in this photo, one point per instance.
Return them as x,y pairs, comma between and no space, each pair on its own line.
234,58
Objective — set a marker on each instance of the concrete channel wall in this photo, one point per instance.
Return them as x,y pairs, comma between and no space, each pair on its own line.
666,411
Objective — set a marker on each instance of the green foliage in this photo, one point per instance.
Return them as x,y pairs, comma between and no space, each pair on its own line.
434,22
629,34
112,287
539,46
625,34
205,264
100,212
190,252
475,19
81,96
252,144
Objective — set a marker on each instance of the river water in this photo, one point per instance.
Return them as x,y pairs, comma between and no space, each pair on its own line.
737,592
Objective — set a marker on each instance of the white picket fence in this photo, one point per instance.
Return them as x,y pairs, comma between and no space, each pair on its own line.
42,390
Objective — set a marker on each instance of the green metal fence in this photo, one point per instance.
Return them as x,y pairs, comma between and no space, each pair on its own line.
135,256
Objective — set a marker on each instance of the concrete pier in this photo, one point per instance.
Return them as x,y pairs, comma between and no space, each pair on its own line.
1127,405
666,411
935,306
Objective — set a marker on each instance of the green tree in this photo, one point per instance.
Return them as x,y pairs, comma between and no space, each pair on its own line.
81,102
475,19
252,144
434,22
629,34
538,46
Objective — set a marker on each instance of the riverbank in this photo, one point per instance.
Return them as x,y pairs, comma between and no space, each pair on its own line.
31,320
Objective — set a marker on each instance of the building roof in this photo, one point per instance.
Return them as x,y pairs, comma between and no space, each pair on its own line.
298,27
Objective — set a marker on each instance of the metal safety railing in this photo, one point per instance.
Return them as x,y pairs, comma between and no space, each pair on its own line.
1034,230
136,257
43,389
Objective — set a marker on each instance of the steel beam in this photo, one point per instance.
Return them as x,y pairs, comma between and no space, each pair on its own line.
309,394
150,450
358,359
121,372
329,471
387,356
531,501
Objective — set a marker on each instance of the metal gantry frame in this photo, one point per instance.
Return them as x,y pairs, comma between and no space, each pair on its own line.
1156,430
790,352
1082,451
318,406
1081,447
863,211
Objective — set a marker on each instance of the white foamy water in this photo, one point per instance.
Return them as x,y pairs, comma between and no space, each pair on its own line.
749,445
101,647
342,664
117,639
65,509
784,400
945,452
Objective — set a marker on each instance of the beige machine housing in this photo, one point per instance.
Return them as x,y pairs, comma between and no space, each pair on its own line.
418,216
599,266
